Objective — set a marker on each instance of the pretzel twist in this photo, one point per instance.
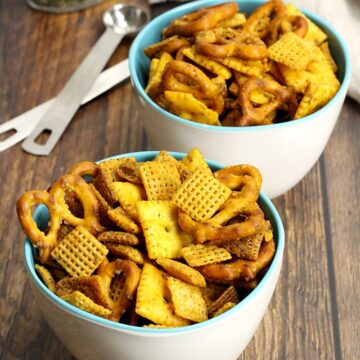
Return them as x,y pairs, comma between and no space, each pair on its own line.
246,181
45,242
225,42
216,232
185,77
202,19
54,200
107,271
261,20
252,115
287,23
240,269
82,168
87,197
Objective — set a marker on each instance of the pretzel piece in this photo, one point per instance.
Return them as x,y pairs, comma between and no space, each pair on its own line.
228,42
84,168
45,242
81,188
240,268
107,271
260,21
202,19
254,115
216,232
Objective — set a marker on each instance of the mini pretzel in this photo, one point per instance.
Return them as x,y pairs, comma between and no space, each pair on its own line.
170,45
58,211
284,24
107,271
202,19
216,232
240,268
84,168
87,197
225,42
246,180
196,81
234,176
260,21
259,115
46,242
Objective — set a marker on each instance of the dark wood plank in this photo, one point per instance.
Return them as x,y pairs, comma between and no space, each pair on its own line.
298,321
342,167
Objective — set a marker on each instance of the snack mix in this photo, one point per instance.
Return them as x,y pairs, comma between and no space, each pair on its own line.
219,67
161,243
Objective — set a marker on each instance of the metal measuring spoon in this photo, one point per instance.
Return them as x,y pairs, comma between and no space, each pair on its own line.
120,20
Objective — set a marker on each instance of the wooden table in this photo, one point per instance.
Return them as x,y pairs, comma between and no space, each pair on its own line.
315,311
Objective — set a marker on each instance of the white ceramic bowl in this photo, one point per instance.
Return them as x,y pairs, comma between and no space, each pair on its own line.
283,152
224,337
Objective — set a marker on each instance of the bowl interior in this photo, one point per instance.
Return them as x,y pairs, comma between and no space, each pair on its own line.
139,63
41,217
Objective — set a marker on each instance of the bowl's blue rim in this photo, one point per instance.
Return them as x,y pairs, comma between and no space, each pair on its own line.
325,25
276,263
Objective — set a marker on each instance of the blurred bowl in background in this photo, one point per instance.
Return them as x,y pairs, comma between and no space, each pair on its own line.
283,152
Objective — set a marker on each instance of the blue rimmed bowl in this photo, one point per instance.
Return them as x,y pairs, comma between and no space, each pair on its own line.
224,337
283,152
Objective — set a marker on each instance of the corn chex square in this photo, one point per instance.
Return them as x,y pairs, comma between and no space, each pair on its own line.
188,300
160,179
198,254
151,298
201,195
163,236
292,51
79,253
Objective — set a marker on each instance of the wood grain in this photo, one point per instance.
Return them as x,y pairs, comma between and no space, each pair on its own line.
341,165
315,311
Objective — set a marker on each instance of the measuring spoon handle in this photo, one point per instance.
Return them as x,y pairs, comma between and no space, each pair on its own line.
68,101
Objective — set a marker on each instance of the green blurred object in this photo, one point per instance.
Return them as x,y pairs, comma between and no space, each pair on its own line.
60,6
